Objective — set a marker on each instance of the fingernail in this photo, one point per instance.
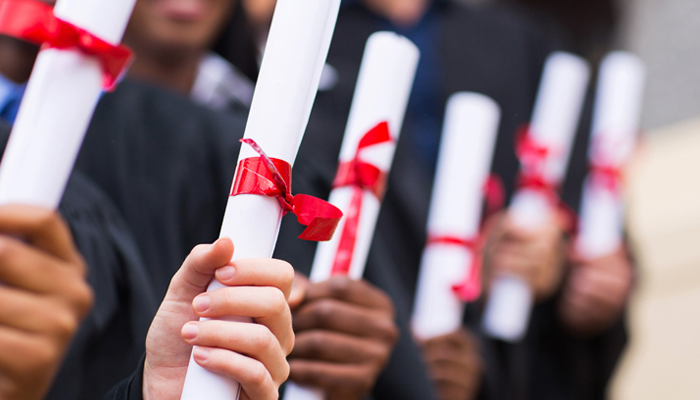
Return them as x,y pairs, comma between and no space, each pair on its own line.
226,273
201,354
190,331
201,303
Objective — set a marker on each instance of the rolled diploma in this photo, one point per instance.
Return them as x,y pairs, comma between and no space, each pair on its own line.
383,89
277,119
61,97
615,124
466,152
554,123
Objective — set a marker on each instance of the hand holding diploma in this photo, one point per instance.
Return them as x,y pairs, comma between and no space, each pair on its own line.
543,149
601,273
44,297
252,354
261,194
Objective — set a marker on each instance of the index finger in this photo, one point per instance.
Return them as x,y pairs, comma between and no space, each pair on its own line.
351,291
258,272
41,227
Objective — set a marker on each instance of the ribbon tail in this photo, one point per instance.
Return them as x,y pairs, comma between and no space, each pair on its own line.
346,246
469,289
320,217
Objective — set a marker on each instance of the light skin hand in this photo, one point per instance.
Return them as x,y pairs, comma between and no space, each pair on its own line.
537,256
252,354
595,293
345,335
454,365
43,299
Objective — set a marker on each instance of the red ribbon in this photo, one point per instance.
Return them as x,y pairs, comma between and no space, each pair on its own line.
470,288
606,176
33,21
272,177
360,176
533,156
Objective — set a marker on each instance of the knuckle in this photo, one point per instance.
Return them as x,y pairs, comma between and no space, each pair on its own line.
286,273
64,324
278,301
43,356
257,375
322,311
340,286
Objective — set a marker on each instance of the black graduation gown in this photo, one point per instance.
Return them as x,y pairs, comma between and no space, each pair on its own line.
110,341
487,51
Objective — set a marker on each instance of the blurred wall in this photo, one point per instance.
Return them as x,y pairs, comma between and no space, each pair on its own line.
665,33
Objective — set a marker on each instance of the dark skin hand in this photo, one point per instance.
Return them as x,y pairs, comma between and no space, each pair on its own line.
345,333
596,292
454,365
43,299
537,256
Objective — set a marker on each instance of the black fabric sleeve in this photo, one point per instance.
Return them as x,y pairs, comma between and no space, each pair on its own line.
130,388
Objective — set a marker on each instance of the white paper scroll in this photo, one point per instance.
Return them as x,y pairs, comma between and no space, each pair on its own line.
57,107
383,89
298,43
554,123
615,125
466,151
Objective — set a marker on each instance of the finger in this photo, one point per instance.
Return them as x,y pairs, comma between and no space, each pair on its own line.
198,270
299,288
451,372
258,272
266,305
24,267
254,378
23,354
338,316
330,376
41,227
350,291
37,314
252,340
317,345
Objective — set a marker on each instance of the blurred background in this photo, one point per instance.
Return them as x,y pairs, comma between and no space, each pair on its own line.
664,214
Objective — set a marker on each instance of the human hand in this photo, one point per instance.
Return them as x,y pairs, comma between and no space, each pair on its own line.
403,13
454,365
537,256
43,299
252,354
345,334
595,292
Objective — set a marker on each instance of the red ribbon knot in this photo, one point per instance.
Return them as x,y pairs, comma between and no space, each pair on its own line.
34,21
533,155
360,176
469,289
272,177
607,176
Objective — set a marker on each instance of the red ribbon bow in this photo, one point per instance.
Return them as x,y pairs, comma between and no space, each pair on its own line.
470,288
272,177
360,176
606,176
34,21
533,155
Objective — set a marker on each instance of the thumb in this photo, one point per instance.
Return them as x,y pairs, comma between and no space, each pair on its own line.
299,287
198,270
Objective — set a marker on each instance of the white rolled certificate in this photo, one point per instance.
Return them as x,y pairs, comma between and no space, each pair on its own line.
615,125
59,102
466,152
289,77
554,124
383,89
